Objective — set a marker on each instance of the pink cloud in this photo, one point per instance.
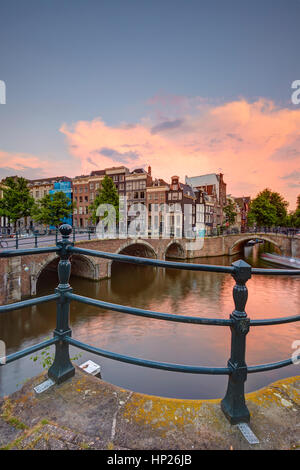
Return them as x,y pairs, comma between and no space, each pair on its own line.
32,166
255,144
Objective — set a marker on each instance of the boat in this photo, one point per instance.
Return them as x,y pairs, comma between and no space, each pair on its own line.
287,261
251,243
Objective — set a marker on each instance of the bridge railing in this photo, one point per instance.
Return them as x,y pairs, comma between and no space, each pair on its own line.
233,404
36,239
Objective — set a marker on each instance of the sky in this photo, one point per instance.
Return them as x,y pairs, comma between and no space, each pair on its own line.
188,87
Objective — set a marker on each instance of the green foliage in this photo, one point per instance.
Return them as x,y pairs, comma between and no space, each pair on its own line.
293,219
16,201
52,209
268,209
230,213
46,358
107,195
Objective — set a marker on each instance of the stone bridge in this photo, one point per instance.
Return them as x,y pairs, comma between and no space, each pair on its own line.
20,274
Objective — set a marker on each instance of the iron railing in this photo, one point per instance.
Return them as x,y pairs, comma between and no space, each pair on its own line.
233,404
36,239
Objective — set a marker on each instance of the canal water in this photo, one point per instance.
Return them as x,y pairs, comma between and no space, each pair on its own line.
172,291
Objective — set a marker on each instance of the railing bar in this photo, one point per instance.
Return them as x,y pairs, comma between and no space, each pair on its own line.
28,251
29,302
275,271
148,313
274,321
32,349
146,363
152,262
271,365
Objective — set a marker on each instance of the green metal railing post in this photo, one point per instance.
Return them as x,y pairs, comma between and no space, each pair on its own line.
74,238
62,367
233,404
35,240
17,240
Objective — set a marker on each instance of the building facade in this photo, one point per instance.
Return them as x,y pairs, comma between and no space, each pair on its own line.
214,189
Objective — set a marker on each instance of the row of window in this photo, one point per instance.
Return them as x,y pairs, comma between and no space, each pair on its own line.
156,197
174,196
136,195
132,185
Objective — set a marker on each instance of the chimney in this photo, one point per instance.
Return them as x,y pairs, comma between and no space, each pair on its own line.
149,170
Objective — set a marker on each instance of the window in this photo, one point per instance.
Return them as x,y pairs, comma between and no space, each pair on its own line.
80,198
121,186
97,186
86,209
80,189
86,198
142,195
150,197
136,195
143,184
75,211
129,186
92,186
121,178
115,178
37,194
169,196
92,196
80,210
86,189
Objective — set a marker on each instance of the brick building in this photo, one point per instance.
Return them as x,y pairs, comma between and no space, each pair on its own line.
86,187
214,189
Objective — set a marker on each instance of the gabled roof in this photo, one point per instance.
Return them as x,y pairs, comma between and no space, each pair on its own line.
187,189
202,180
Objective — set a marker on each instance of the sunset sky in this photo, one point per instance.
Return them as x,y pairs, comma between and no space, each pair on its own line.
186,86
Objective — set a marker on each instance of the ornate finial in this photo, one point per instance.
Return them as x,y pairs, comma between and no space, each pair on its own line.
65,230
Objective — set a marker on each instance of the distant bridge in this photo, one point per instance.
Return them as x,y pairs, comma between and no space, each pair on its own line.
20,274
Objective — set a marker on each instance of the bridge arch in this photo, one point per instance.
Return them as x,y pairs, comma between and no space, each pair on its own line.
81,265
134,248
241,241
174,249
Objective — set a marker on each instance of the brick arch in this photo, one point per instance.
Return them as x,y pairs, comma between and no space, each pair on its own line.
176,243
130,243
80,260
251,237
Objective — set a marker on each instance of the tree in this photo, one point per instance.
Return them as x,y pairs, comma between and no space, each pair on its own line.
52,209
108,195
294,217
267,209
230,213
16,202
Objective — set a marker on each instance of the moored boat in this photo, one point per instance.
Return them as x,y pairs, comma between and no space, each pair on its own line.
287,261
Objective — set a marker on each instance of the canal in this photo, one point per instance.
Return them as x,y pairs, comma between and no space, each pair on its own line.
172,291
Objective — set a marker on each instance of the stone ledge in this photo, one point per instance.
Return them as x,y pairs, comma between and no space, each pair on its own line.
88,413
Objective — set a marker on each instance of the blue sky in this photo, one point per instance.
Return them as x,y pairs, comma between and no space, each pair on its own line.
77,60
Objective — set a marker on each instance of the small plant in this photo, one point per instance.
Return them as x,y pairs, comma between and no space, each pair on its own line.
46,358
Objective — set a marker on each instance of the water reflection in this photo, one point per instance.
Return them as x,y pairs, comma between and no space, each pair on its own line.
173,291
